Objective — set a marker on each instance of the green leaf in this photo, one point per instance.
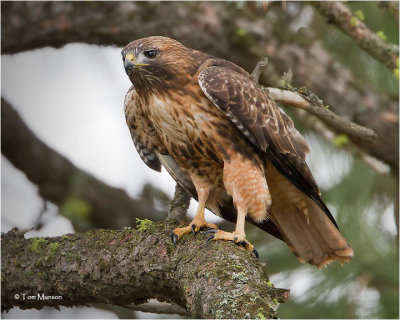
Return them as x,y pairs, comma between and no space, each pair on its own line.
75,207
340,140
241,32
381,35
142,225
396,73
360,15
353,22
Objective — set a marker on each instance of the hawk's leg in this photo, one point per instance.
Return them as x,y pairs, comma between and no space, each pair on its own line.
238,236
198,221
245,181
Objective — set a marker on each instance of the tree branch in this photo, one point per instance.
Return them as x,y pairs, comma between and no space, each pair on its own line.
60,182
128,267
335,122
338,14
341,125
179,204
338,123
324,131
355,102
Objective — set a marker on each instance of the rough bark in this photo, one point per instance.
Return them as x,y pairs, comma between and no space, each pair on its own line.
179,204
340,15
62,183
128,267
227,30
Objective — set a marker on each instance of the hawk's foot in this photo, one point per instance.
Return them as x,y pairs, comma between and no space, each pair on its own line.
236,237
195,226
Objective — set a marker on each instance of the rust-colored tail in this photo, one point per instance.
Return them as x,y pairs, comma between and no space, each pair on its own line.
309,233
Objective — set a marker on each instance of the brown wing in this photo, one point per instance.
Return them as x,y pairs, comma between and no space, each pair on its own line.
149,157
250,109
136,128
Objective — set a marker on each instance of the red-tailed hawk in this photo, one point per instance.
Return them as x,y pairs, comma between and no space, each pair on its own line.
225,141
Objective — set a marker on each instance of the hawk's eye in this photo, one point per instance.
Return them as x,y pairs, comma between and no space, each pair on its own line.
151,54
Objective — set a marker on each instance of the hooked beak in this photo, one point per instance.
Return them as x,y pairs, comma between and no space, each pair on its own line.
130,63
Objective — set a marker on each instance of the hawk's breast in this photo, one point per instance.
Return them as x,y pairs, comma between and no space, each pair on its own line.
187,125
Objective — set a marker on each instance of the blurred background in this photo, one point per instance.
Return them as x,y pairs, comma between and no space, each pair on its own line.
61,71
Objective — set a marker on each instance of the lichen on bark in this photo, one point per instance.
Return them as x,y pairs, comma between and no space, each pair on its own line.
128,267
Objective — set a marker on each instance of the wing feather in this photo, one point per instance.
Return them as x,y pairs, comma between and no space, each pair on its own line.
148,156
145,150
269,129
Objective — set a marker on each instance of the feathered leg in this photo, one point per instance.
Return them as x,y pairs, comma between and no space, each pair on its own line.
245,182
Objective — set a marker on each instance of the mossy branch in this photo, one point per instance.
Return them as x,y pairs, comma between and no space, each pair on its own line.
375,45
128,267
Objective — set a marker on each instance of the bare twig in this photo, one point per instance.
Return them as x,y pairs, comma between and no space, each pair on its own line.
375,164
324,131
338,123
296,99
338,14
259,68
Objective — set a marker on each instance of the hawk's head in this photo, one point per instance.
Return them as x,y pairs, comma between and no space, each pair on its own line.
156,61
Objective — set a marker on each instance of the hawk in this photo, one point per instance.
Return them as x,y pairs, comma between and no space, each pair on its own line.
225,141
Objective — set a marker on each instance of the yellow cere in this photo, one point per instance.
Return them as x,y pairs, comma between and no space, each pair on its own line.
130,57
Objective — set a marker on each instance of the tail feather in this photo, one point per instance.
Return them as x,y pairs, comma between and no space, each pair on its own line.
312,237
318,242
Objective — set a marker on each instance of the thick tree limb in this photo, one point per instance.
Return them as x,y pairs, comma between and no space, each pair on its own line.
128,267
338,14
198,25
60,182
